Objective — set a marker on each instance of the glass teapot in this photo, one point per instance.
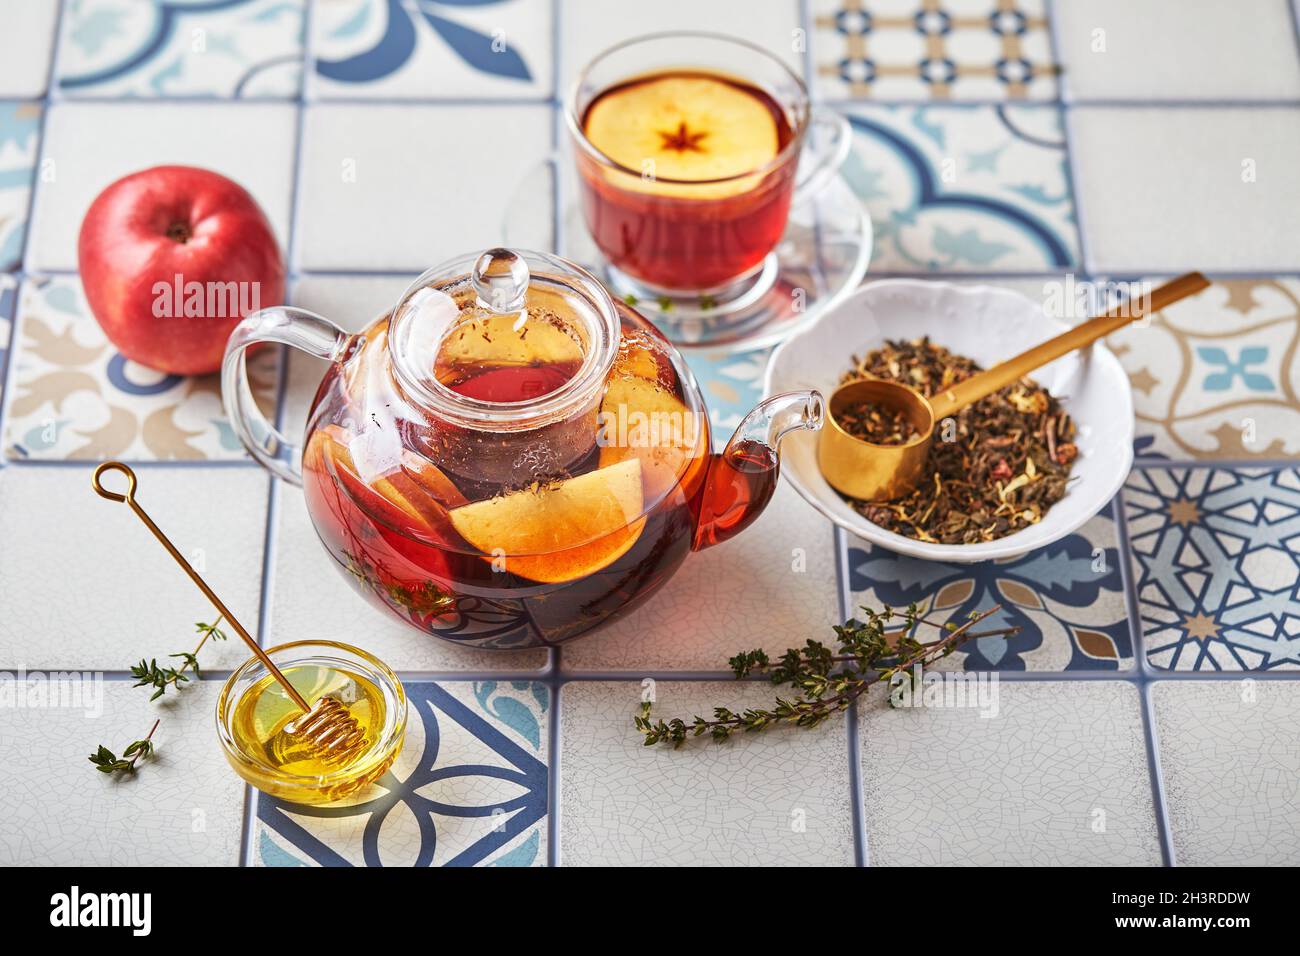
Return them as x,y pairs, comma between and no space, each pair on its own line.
510,457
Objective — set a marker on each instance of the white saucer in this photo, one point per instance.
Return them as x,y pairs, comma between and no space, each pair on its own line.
821,258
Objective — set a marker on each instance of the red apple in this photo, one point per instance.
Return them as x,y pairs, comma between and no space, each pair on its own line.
171,259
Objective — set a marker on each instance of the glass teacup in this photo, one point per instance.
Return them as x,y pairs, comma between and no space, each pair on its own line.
688,151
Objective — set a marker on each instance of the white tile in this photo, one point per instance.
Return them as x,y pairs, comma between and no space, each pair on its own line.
25,46
589,27
183,806
312,598
1057,777
405,187
501,49
1206,49
1169,190
92,587
773,586
350,302
779,798
1231,771
90,145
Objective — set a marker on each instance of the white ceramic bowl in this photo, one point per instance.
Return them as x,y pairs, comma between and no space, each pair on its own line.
988,325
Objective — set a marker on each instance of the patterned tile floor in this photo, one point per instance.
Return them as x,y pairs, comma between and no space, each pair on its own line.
1146,712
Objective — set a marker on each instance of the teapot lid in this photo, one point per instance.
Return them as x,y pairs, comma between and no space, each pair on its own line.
502,308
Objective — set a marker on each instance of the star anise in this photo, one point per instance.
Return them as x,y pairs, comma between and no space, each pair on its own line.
682,140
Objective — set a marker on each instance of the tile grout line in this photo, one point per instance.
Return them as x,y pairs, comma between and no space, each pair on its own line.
210,99
1066,117
1123,555
1293,8
216,99
270,539
45,102
1159,799
839,538
554,683
1150,738
839,544
553,677
298,275
1282,103
857,809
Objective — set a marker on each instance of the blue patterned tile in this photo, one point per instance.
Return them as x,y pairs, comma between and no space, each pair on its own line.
1214,565
8,300
964,189
414,50
469,788
162,48
1216,375
927,50
74,396
19,132
732,385
1067,598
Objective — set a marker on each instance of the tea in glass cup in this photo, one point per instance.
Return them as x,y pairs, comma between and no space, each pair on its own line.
687,172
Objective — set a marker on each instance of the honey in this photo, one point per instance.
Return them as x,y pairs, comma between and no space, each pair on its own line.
265,711
255,717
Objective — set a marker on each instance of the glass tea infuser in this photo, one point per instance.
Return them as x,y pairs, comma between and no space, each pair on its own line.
510,457
345,738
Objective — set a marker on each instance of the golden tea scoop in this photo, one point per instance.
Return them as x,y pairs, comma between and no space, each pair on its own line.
325,727
875,472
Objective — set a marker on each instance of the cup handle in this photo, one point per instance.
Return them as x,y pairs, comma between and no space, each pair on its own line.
829,140
288,326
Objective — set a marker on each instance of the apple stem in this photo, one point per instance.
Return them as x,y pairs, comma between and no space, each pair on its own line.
179,231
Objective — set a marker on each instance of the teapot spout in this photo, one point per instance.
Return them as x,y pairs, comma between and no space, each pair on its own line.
742,479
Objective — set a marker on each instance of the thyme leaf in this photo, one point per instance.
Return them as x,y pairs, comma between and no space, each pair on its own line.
825,681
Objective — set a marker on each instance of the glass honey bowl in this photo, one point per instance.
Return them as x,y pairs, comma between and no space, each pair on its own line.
253,712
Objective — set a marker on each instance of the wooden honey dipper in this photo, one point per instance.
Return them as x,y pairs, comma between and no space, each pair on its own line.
325,727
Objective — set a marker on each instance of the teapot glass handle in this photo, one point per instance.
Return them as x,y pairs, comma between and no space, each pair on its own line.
304,330
830,137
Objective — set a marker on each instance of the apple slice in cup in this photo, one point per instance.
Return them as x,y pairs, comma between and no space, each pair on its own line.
687,128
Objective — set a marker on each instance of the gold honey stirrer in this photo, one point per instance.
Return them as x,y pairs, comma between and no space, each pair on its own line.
874,472
326,727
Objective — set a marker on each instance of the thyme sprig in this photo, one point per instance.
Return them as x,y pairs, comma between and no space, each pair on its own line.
149,674
827,681
106,761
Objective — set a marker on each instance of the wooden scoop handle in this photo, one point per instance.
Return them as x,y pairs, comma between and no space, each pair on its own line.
987,382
